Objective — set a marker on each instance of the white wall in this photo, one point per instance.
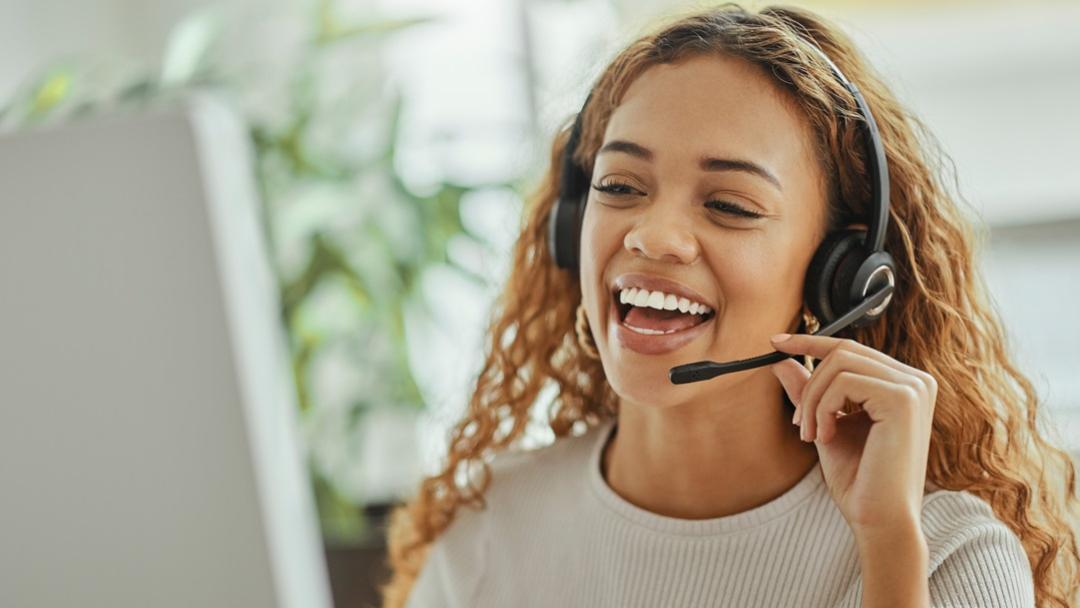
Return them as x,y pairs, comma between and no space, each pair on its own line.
998,84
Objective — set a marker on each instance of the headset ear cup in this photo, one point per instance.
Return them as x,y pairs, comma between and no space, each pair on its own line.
577,215
553,233
564,231
837,256
844,276
874,273
561,238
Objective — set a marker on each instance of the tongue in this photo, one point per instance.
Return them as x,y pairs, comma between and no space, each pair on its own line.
660,320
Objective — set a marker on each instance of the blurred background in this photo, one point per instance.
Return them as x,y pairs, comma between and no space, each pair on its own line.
395,141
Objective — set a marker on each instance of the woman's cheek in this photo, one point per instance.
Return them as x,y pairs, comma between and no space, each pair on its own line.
746,275
601,238
594,254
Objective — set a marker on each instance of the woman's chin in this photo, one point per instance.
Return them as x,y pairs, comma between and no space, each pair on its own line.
647,380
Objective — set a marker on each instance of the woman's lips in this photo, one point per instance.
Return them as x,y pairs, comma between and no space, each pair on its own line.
651,344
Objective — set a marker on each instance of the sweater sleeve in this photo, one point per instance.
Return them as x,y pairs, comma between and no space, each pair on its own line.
454,568
975,559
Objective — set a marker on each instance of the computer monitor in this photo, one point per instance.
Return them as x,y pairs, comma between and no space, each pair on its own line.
149,454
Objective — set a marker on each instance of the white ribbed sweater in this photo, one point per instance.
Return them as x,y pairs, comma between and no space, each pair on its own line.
555,534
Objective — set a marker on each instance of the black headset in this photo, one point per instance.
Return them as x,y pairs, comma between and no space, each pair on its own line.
850,279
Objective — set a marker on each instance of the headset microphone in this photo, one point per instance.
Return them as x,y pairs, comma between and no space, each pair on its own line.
703,370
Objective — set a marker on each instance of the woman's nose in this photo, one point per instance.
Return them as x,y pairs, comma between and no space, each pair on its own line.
660,236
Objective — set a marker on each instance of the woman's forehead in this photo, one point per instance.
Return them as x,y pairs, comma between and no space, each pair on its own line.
712,106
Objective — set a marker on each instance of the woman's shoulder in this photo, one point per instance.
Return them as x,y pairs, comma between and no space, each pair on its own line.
458,558
951,518
971,549
570,450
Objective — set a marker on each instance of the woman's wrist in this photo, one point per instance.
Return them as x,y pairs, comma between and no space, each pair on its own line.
894,563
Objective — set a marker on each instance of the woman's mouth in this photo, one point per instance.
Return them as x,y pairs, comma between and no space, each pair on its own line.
650,330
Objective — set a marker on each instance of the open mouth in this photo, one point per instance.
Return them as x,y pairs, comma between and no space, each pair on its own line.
654,320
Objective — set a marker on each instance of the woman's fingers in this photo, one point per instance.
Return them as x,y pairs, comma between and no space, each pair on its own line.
847,385
840,360
793,378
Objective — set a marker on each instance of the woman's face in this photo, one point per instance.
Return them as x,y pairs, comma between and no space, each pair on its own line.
735,234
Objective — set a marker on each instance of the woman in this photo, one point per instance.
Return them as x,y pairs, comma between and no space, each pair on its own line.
906,465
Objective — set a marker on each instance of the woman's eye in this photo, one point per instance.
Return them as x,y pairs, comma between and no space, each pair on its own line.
732,209
614,188
620,189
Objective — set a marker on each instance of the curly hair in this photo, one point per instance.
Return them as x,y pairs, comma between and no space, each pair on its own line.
985,437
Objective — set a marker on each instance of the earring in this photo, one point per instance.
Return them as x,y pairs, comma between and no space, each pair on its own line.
811,324
584,334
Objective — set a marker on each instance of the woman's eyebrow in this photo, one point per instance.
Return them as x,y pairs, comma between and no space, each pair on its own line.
707,163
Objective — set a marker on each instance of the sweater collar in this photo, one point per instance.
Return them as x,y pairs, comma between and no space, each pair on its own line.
811,484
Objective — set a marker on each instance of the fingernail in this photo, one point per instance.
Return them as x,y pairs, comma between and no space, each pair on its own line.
780,337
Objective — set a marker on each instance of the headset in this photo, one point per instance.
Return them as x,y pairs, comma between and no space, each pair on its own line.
849,282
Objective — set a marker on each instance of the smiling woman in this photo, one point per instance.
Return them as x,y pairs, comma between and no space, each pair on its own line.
719,152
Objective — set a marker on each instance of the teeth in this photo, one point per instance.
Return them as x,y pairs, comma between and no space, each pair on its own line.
661,301
649,332
656,300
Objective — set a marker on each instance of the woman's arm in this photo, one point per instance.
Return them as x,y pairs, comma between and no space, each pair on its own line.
894,563
977,563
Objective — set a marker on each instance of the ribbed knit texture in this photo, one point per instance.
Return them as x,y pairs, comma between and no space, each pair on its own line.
555,534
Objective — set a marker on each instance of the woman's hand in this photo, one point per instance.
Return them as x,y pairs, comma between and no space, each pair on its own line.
874,460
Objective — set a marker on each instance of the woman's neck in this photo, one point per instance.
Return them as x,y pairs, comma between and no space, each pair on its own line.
704,468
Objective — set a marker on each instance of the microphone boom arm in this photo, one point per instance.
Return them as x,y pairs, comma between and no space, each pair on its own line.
704,370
